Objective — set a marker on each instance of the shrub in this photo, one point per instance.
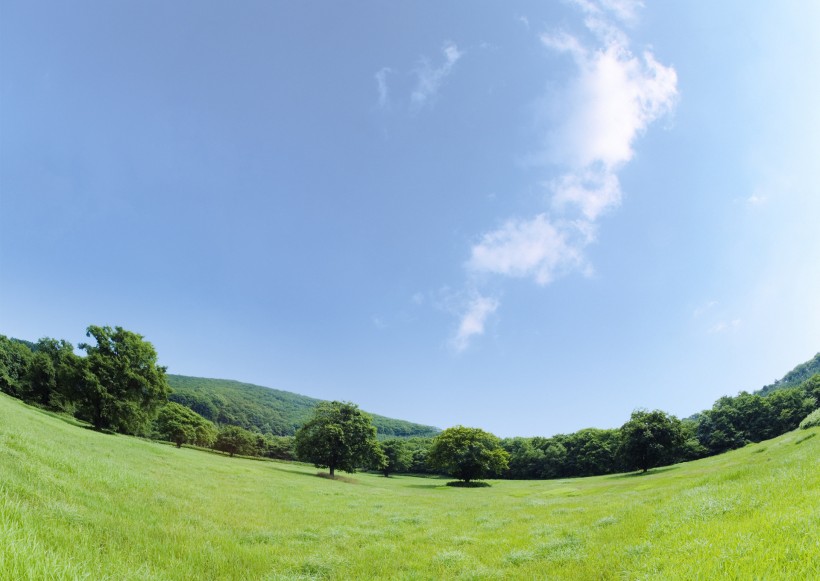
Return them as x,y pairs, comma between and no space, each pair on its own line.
811,421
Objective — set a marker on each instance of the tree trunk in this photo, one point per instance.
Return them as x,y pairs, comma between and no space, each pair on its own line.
332,471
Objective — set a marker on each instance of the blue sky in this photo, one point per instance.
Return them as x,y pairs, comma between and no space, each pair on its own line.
529,217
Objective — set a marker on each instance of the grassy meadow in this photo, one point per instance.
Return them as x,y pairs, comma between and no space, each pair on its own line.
77,504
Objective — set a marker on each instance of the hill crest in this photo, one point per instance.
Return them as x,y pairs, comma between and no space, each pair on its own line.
271,411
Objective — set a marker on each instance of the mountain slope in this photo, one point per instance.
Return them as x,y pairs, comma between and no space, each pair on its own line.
272,411
794,377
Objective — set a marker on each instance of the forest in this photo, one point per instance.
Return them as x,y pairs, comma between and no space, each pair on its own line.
117,386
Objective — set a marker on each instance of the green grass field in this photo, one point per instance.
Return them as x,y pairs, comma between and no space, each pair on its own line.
76,504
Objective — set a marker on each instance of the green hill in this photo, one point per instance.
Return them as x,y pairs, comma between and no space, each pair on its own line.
79,504
272,411
794,377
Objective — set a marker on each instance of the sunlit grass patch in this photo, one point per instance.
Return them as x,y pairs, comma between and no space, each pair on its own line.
75,504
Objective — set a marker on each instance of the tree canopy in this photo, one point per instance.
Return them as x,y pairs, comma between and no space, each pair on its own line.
468,453
397,456
122,386
181,425
338,435
650,439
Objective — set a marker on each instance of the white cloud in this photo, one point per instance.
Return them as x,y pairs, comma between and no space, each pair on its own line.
607,105
381,86
538,248
592,191
473,320
612,101
429,79
624,10
724,326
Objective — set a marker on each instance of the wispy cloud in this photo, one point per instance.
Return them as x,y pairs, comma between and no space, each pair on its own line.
473,320
724,326
429,79
381,86
534,248
704,308
610,101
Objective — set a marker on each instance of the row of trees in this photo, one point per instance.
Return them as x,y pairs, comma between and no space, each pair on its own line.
340,436
117,386
731,423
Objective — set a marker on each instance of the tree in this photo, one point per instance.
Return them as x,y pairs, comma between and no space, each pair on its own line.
650,439
234,440
468,453
526,460
182,425
53,374
338,435
15,359
397,457
121,386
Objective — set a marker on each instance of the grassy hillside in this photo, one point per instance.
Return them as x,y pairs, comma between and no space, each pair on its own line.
77,504
271,410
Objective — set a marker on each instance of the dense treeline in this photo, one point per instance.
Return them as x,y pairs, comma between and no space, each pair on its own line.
118,386
234,417
731,423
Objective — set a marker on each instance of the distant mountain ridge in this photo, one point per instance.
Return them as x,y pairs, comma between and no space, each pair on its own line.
271,411
794,377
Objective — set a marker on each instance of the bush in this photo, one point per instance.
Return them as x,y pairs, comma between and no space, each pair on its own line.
811,421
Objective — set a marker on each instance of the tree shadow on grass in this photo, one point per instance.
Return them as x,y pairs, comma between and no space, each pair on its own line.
470,484
649,472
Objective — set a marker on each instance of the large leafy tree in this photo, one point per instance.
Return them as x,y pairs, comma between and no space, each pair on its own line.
122,386
468,453
650,439
235,440
53,373
338,435
182,425
15,360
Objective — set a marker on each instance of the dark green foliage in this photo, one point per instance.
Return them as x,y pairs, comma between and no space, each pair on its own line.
235,440
734,421
418,449
278,447
650,439
271,411
527,461
397,456
54,374
338,435
590,451
812,388
121,387
15,359
181,425
468,453
795,377
691,449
